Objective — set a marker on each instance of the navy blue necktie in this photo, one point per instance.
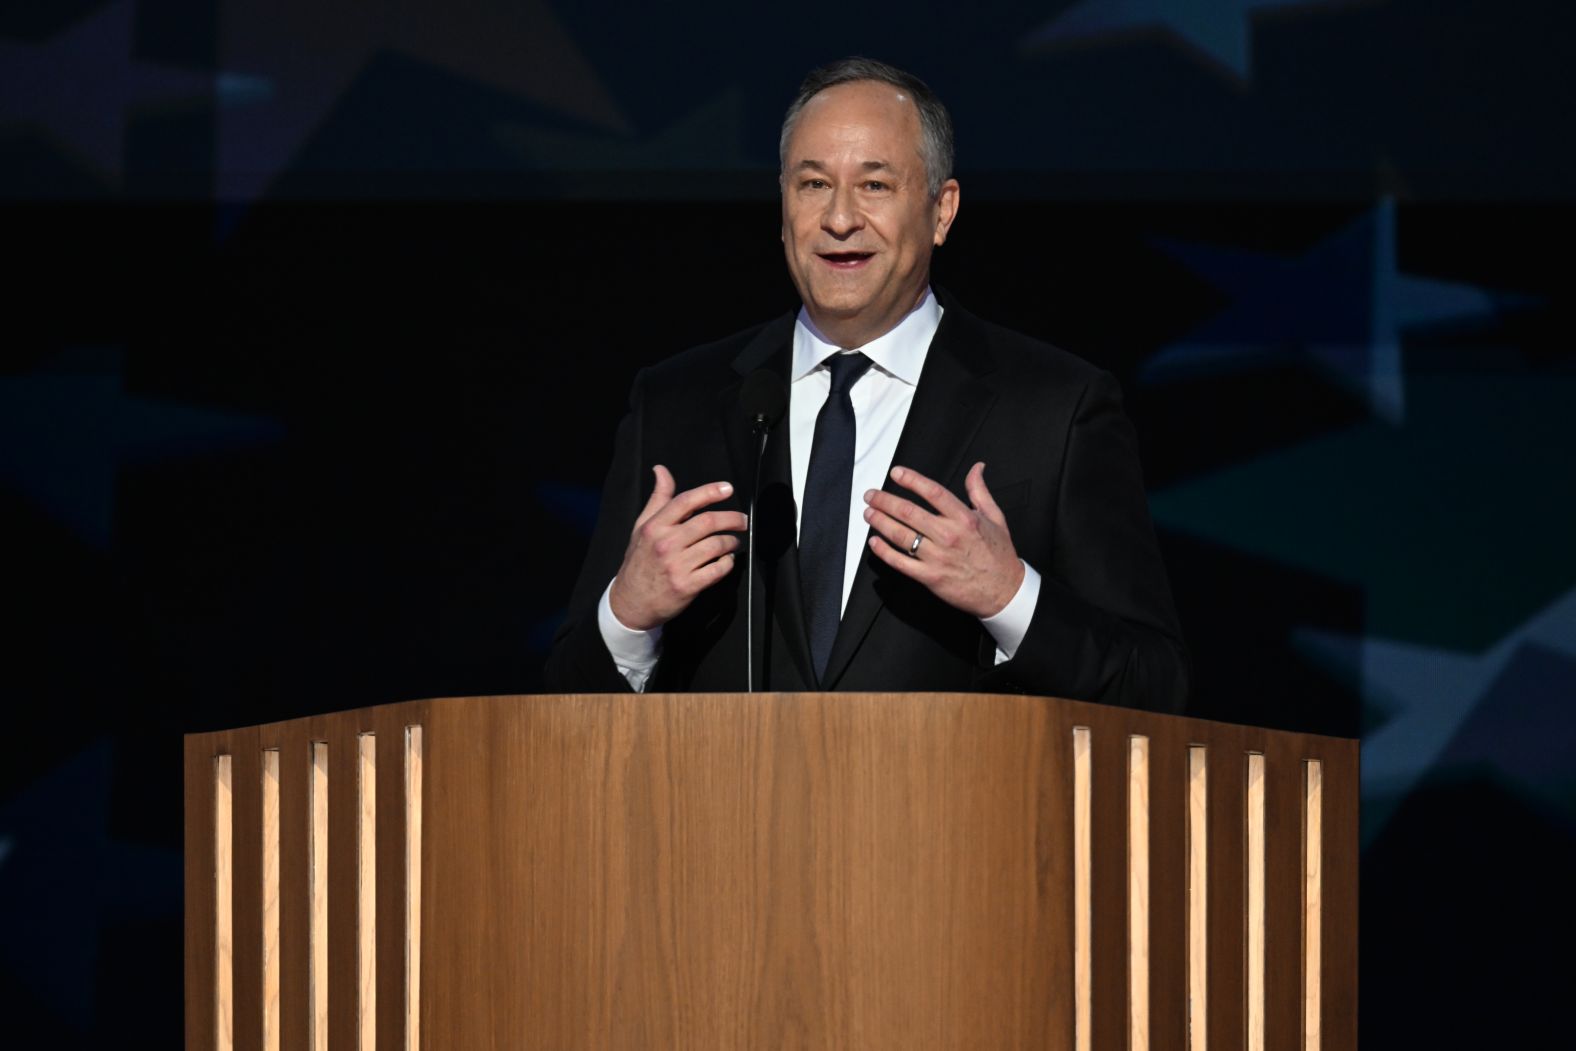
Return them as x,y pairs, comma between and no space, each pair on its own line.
823,521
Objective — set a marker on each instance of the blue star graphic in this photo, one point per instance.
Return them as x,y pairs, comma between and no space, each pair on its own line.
312,53
1456,527
711,138
67,428
64,876
1428,693
81,85
1219,30
1341,308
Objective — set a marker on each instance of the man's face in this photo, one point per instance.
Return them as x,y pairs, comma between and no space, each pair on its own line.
859,223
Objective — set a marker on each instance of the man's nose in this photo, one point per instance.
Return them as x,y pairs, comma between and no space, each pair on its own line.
842,216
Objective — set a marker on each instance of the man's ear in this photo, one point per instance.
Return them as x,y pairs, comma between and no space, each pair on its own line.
946,210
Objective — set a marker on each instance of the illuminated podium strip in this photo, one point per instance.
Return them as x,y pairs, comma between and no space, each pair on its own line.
1247,841
310,840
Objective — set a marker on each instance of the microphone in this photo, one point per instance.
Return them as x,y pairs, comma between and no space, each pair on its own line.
764,399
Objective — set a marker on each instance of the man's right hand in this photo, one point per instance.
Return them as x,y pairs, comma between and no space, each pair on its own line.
674,554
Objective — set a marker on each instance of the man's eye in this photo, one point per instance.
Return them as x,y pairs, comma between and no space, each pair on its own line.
875,184
813,184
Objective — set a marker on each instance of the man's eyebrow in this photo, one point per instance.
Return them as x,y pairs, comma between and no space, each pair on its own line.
813,165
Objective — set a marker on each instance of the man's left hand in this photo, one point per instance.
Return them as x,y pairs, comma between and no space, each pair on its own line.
965,554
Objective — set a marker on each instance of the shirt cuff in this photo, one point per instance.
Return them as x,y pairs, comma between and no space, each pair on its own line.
1010,625
635,653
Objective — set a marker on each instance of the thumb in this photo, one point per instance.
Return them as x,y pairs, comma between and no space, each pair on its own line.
661,493
979,495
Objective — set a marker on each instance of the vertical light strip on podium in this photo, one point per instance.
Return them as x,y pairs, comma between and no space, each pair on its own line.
1197,898
1255,909
317,910
412,888
271,899
366,891
1138,893
1083,959
1312,901
260,895
223,914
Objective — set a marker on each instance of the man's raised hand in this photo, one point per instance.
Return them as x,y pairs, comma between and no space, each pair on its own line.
674,553
965,555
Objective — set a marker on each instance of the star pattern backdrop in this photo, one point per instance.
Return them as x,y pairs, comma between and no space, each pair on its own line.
321,315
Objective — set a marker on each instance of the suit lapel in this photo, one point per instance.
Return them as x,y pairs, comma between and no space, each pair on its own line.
950,403
768,350
777,588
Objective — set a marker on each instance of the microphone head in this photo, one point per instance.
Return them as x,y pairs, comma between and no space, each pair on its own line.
764,397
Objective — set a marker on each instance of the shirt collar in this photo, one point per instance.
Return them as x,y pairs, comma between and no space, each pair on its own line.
900,352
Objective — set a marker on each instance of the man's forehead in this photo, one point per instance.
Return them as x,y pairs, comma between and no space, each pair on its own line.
864,94
852,110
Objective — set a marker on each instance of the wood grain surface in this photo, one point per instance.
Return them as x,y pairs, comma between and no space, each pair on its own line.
1228,821
1138,893
1196,1014
224,903
1312,902
270,892
248,873
412,896
1168,895
1083,895
770,871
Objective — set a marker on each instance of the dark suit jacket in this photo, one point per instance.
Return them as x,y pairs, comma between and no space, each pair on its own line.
1061,461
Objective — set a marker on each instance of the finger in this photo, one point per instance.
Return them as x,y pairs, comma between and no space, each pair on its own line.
704,525
691,500
906,511
912,568
661,493
980,495
710,549
897,534
935,493
712,572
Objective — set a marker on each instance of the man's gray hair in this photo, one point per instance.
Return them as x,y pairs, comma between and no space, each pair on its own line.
935,124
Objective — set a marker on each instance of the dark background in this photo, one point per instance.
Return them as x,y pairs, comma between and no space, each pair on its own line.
318,318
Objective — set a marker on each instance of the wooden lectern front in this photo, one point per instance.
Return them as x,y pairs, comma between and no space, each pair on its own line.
774,871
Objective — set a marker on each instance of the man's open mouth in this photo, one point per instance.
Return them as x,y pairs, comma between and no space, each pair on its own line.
845,260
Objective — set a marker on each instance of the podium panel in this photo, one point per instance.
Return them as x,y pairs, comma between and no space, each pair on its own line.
730,871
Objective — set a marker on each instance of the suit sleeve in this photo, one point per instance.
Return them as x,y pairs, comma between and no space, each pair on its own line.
579,661
1105,628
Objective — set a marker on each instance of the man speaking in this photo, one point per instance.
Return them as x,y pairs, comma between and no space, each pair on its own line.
944,505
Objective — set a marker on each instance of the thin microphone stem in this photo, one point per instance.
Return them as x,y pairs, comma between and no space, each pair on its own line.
761,430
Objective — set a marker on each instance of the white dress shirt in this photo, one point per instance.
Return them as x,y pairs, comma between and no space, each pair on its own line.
881,399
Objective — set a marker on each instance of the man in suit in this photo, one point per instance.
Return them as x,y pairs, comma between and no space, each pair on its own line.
918,577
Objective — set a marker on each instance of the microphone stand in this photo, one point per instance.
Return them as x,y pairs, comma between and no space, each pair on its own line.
761,430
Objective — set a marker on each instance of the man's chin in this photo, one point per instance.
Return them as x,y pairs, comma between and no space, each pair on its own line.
839,311
838,303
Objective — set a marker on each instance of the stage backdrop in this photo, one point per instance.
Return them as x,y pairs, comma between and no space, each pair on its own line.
318,317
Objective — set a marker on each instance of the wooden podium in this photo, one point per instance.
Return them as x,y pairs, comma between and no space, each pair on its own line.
724,871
